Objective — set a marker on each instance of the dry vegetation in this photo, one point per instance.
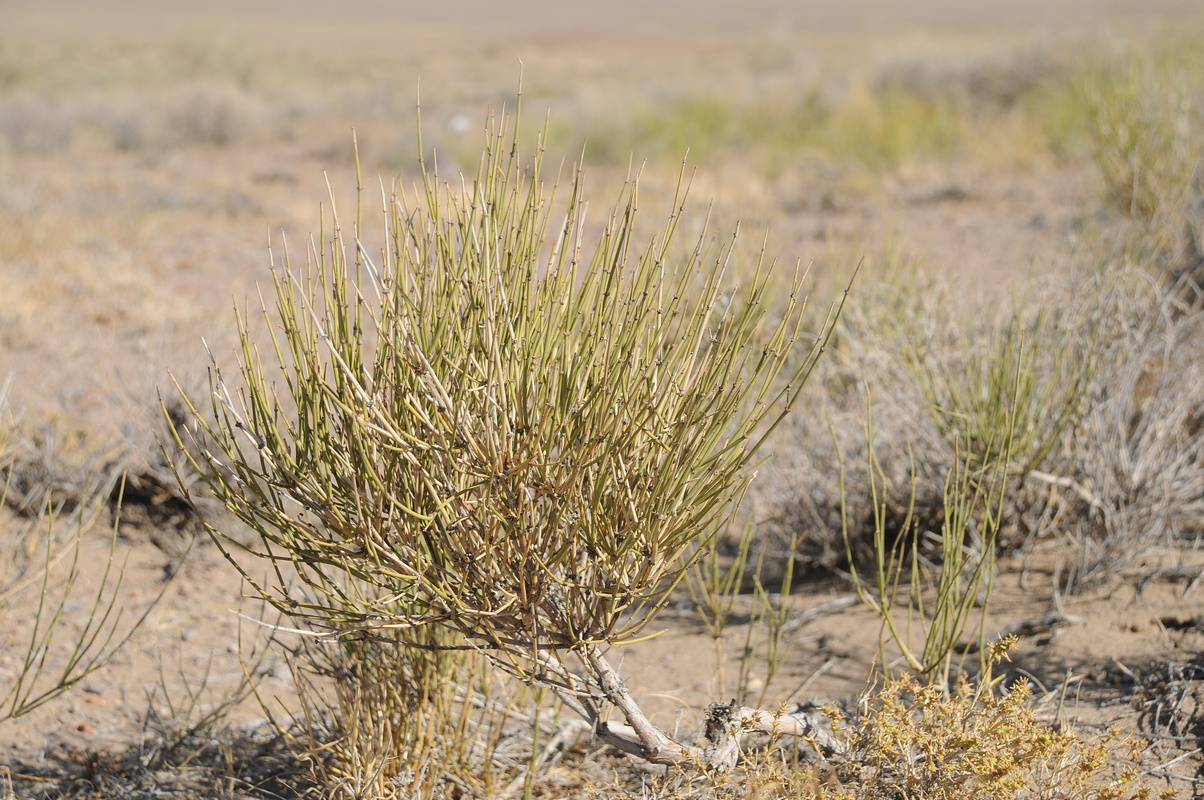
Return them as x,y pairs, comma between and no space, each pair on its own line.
446,454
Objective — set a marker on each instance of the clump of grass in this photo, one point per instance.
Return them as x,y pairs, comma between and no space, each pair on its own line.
891,127
54,464
1145,117
187,744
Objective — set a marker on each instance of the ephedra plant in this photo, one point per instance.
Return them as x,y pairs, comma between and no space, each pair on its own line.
496,437
66,626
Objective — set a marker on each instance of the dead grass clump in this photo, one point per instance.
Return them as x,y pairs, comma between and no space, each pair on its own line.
223,762
56,466
52,486
380,719
1138,463
153,504
66,470
1169,697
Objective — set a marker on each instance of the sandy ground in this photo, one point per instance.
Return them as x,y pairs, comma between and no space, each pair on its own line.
116,263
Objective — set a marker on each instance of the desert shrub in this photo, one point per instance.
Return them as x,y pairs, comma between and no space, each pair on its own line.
1137,477
965,414
946,390
711,129
769,132
486,435
914,740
